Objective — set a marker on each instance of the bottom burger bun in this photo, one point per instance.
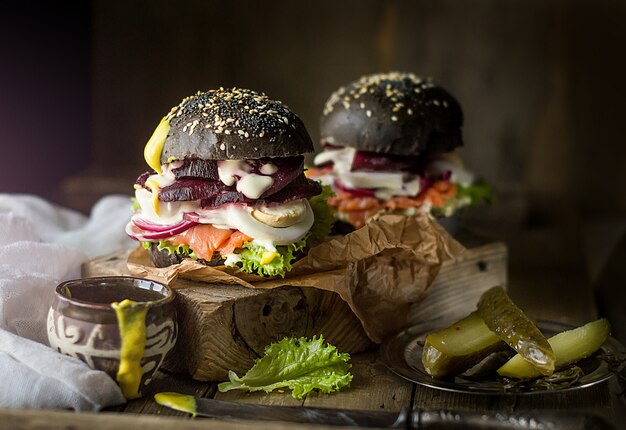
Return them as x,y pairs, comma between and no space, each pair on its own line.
165,258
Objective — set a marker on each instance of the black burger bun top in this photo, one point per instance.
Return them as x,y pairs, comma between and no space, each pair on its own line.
393,113
233,123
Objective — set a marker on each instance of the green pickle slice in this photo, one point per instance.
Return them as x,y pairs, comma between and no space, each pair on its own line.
460,346
568,346
508,321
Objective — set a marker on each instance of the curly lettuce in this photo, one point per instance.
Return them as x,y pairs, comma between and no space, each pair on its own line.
171,248
301,365
477,192
135,205
255,258
324,217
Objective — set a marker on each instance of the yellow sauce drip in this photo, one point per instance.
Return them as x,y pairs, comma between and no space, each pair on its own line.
268,256
154,147
132,322
177,401
154,187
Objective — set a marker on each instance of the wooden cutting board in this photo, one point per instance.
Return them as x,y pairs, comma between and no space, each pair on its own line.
226,327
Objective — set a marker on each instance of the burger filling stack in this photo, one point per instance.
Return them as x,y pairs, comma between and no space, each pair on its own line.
388,142
227,186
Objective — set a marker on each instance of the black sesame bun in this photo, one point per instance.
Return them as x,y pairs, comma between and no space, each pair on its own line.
393,113
233,124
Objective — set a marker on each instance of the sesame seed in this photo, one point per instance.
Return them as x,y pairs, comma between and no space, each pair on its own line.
368,113
390,90
234,111
394,118
222,147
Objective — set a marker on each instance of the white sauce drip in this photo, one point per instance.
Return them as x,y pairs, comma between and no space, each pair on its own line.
171,212
458,174
386,184
228,169
249,184
253,185
268,169
342,158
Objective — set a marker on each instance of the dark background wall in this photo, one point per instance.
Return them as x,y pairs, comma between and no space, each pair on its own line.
541,83
45,94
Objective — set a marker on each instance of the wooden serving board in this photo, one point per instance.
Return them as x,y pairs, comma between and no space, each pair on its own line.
226,327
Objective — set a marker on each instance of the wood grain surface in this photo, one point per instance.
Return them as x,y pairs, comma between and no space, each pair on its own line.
226,327
536,283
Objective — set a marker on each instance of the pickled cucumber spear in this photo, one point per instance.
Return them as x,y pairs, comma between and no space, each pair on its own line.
568,346
508,321
459,346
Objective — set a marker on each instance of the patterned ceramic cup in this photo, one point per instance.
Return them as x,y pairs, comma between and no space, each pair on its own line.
82,323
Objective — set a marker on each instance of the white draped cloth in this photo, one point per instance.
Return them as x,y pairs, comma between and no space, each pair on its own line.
42,245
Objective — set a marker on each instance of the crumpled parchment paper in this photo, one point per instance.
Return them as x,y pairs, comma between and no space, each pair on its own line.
379,269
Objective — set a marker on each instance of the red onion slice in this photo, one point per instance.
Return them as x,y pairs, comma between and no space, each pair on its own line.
146,230
359,192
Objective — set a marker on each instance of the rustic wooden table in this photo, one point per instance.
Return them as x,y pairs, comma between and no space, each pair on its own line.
542,279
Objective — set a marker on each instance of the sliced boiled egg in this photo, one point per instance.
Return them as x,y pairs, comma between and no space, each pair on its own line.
284,215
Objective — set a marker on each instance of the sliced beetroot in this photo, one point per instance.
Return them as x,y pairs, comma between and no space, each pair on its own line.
199,180
375,162
357,192
194,168
197,169
300,188
288,169
141,180
190,189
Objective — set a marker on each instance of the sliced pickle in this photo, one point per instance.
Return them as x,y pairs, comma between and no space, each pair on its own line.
515,328
456,348
568,346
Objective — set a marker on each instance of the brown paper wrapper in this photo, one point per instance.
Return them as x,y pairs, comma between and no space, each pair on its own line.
379,269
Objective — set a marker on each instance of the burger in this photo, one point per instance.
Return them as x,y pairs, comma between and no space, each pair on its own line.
388,147
227,186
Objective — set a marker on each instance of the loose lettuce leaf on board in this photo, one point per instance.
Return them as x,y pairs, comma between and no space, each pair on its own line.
301,365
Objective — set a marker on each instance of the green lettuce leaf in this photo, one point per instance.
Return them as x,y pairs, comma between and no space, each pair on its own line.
252,254
135,206
324,217
298,364
477,192
172,248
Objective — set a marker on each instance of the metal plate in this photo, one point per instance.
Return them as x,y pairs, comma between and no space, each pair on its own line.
402,354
